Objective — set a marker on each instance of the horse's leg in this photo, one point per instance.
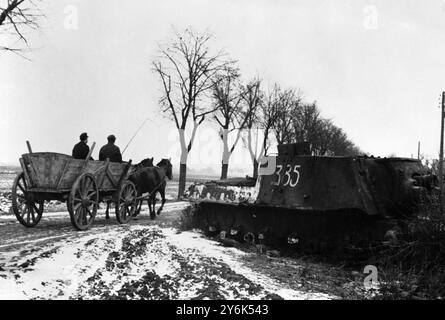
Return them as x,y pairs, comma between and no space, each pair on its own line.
151,200
139,204
162,192
149,203
107,214
138,208
153,203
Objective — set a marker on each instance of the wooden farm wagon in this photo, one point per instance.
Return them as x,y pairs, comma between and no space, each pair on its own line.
82,184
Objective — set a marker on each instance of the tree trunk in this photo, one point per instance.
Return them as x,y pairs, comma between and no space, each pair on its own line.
255,168
224,170
226,154
183,164
182,179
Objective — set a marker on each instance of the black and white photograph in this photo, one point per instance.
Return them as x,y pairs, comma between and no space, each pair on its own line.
237,152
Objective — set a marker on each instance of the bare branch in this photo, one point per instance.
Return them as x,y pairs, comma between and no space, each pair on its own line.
191,69
16,18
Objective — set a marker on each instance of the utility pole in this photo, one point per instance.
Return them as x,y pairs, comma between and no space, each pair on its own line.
418,150
442,113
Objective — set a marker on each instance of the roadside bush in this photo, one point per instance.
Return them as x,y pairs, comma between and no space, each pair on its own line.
186,219
413,265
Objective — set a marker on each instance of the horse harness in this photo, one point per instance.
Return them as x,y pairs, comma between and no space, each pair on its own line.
157,187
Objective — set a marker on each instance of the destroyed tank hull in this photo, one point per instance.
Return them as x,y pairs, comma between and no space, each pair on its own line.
313,202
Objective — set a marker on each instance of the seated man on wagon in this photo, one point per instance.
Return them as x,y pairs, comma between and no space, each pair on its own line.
81,149
110,151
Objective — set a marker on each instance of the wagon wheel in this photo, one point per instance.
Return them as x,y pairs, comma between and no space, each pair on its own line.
126,202
83,202
27,211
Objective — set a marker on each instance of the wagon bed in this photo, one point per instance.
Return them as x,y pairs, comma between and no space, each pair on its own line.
81,183
56,172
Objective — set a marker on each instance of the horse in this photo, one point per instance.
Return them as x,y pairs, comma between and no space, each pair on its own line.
152,180
146,163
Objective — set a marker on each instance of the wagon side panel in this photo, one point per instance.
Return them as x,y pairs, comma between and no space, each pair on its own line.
44,170
111,175
54,172
74,169
70,174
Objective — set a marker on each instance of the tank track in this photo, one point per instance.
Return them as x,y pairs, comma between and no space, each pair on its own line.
305,231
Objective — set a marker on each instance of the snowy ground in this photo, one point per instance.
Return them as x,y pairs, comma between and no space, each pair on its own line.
149,260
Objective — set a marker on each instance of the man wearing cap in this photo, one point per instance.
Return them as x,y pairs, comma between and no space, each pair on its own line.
110,151
81,149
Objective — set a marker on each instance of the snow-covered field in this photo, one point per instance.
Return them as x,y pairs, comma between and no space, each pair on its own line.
6,179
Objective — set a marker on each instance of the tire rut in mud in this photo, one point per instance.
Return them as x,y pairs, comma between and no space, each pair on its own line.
147,266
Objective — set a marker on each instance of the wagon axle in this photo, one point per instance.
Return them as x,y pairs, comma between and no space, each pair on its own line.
86,202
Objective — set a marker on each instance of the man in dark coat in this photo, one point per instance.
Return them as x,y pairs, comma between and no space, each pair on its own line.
110,151
81,149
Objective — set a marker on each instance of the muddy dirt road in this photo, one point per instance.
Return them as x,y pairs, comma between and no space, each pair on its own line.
151,260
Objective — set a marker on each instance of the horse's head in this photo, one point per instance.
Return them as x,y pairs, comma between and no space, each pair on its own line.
167,165
146,163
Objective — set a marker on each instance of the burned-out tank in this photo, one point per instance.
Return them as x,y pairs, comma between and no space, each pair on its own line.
314,202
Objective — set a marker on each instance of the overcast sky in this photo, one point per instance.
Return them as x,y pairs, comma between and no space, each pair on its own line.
377,68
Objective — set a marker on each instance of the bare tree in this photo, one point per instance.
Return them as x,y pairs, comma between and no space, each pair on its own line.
325,137
16,16
228,113
288,102
307,123
335,141
270,111
187,70
252,99
262,112
327,134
